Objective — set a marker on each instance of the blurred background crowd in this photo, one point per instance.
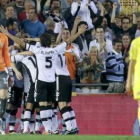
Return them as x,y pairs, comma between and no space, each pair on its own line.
103,48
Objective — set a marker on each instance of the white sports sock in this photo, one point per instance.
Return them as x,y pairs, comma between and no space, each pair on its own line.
31,125
27,116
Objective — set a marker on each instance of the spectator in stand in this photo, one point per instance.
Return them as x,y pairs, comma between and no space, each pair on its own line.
72,54
108,4
103,45
3,5
108,31
19,6
126,40
25,14
125,24
49,5
56,15
81,40
12,27
118,22
50,25
68,16
83,9
115,68
137,34
9,13
32,27
90,71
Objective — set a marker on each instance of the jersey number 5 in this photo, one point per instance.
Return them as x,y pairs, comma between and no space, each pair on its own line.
48,60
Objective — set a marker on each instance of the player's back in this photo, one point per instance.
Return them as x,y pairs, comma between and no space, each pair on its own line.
61,65
45,57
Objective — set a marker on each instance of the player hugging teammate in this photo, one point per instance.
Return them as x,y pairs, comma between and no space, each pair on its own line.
47,84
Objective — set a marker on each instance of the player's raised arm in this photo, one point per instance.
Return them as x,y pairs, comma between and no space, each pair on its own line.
81,30
15,39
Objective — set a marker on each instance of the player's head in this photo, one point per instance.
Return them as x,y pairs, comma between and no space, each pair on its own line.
45,40
65,34
117,45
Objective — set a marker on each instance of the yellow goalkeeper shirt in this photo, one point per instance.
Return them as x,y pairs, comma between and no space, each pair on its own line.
135,55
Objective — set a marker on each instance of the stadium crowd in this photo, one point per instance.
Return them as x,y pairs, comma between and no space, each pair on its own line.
99,55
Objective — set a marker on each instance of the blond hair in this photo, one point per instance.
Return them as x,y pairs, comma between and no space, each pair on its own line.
94,48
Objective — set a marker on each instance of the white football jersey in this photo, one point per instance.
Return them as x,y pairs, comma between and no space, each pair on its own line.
29,65
61,65
46,58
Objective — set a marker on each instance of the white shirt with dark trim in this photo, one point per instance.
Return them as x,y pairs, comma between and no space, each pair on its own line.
109,47
29,63
46,59
61,64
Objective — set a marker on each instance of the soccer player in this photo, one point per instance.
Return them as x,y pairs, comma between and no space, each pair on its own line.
4,63
46,57
133,79
29,74
66,67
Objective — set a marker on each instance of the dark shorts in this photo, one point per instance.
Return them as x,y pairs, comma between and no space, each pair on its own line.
3,80
45,91
15,96
63,89
31,96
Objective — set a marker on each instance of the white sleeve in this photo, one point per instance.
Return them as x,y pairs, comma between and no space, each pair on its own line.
61,47
16,58
57,27
109,46
74,7
33,48
90,45
93,7
76,51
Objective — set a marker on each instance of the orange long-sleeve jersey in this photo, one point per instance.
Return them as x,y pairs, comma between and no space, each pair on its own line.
70,63
5,61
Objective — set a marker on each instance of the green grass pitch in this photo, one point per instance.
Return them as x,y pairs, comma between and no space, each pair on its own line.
60,137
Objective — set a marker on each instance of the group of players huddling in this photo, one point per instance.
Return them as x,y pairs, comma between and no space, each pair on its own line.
47,84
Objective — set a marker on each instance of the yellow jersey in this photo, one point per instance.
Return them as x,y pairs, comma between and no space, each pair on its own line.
135,55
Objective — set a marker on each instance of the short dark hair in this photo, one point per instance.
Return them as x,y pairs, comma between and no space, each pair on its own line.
45,40
53,1
10,21
126,35
100,27
83,22
56,8
33,8
125,18
117,41
9,5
